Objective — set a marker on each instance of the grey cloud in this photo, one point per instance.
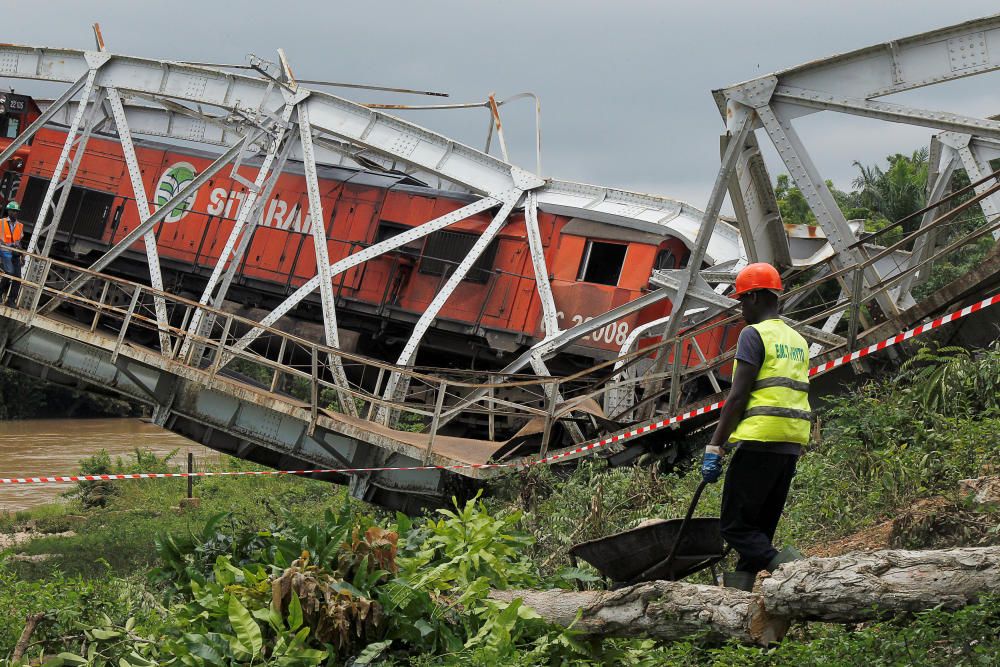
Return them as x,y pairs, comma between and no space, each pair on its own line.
625,86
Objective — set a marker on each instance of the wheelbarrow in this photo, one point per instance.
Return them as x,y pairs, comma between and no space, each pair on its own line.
668,549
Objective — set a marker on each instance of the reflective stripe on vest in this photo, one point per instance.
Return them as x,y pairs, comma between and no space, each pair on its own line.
11,232
778,410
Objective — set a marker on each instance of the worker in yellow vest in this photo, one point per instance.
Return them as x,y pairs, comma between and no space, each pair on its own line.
766,420
11,233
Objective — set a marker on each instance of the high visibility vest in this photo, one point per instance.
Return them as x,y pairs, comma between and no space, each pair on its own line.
12,232
778,410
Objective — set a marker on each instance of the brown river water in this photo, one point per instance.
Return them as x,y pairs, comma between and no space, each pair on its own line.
44,447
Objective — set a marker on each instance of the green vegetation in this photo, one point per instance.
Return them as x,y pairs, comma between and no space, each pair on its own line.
287,571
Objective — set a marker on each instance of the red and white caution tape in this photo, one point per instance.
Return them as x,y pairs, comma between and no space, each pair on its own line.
597,444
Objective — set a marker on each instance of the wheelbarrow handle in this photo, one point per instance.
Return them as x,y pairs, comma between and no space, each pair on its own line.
669,560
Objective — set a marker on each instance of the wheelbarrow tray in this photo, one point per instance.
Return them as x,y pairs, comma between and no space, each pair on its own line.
624,556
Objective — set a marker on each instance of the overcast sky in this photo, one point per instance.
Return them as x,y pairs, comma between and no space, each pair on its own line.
625,85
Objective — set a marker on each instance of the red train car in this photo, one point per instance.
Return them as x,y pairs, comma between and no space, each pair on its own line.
16,113
594,266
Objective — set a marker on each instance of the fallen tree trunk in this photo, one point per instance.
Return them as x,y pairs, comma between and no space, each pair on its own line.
665,610
850,588
862,586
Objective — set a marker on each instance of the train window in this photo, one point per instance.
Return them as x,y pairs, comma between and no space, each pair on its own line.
386,230
602,263
12,125
444,251
665,260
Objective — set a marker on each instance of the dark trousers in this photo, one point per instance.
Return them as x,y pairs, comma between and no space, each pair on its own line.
10,264
753,498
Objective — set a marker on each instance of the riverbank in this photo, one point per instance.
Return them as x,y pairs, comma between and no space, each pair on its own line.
120,538
45,447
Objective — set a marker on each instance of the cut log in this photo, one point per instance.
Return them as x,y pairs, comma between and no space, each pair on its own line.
859,587
661,609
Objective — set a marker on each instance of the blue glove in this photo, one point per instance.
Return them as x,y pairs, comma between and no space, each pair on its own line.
711,467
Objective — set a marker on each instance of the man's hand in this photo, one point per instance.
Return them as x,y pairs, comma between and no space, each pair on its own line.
711,464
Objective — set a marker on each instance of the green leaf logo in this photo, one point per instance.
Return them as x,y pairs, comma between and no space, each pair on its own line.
177,176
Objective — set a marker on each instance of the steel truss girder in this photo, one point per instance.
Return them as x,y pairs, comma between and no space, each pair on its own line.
820,199
239,237
92,118
898,113
323,259
142,205
550,320
717,303
396,386
86,91
976,154
849,83
756,208
925,59
244,97
366,254
141,230
46,115
739,126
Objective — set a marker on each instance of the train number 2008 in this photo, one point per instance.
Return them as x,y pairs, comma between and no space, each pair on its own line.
616,332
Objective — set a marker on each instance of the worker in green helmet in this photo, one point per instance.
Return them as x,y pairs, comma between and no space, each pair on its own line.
11,235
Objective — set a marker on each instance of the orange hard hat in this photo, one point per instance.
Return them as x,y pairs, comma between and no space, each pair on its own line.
757,276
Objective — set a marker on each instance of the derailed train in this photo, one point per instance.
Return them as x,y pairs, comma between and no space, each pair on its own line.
594,266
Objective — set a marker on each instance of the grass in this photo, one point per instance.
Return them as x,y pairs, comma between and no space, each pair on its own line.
119,538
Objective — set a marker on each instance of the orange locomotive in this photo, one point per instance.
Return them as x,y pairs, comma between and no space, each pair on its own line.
594,266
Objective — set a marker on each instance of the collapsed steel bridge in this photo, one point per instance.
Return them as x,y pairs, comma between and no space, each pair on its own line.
189,374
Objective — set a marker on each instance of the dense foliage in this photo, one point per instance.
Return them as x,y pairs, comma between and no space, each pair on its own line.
293,573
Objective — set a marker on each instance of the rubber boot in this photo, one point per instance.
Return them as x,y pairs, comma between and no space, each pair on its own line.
739,579
786,555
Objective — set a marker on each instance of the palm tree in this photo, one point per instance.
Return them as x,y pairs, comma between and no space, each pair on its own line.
897,192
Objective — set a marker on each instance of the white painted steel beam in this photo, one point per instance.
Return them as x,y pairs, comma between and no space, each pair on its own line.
366,129
396,385
739,125
756,208
365,254
829,216
46,116
91,119
63,158
925,59
977,166
142,205
550,320
898,113
323,259
140,231
239,237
